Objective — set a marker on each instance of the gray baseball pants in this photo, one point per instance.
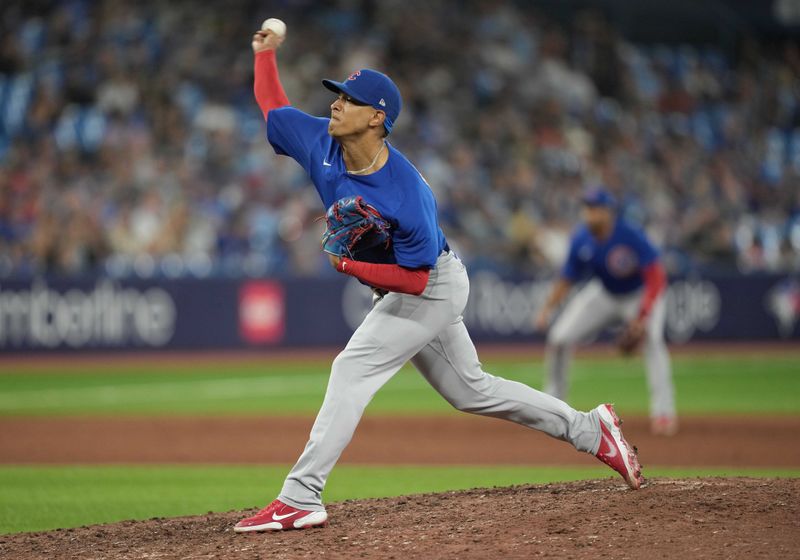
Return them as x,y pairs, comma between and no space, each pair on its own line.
427,330
592,309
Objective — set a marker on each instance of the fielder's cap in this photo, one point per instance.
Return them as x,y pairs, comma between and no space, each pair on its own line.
598,196
373,88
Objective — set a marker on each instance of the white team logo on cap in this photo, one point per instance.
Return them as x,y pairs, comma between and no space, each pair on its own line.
382,102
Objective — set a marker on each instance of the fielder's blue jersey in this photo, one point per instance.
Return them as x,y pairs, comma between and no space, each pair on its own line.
397,190
617,261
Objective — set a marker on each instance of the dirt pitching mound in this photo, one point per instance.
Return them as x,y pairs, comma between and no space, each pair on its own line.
694,518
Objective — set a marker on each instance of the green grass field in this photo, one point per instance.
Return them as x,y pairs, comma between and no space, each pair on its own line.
38,497
705,384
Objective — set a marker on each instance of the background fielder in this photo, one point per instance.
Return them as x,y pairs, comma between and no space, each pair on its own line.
626,285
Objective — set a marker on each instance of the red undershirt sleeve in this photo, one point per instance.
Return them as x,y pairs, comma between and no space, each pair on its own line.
391,277
655,281
267,83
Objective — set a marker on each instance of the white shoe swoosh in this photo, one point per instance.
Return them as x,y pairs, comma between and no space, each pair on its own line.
325,163
612,448
277,517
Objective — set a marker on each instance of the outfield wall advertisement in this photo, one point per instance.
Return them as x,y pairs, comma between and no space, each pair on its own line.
104,314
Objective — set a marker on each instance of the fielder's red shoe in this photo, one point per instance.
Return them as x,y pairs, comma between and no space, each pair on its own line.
664,426
614,451
278,517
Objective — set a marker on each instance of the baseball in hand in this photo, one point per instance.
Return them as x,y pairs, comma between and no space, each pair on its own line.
275,25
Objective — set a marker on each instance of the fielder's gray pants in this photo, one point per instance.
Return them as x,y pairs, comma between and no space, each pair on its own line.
428,330
591,310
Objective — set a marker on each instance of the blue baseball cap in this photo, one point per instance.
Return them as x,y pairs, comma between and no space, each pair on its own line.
373,88
598,196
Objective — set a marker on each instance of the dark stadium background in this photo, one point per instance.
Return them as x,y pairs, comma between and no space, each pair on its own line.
133,159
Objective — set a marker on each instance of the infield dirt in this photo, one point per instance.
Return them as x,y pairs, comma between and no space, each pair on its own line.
452,439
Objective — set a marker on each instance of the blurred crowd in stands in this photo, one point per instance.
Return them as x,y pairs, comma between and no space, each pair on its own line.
130,142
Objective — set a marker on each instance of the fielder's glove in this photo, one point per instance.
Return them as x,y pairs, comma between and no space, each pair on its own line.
631,338
353,226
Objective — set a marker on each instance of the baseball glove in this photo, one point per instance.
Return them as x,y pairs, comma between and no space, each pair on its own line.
630,339
353,226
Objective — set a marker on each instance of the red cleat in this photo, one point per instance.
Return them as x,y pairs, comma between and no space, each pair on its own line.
279,517
664,426
614,451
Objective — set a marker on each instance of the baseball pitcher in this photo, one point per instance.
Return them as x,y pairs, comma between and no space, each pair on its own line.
383,230
627,285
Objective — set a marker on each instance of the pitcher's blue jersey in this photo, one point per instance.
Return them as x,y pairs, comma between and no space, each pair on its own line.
397,190
617,261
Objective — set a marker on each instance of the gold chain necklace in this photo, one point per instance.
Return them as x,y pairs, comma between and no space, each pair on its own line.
371,165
